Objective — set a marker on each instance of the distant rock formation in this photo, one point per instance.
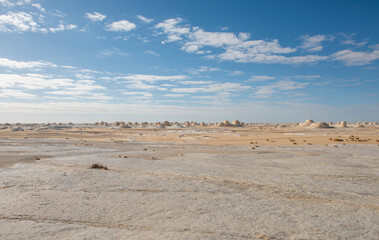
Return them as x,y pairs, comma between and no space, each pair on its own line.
307,123
311,124
319,125
237,123
226,123
166,123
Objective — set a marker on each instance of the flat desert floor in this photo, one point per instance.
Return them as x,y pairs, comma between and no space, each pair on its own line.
190,183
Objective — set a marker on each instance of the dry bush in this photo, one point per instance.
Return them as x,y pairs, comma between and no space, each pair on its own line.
337,140
98,166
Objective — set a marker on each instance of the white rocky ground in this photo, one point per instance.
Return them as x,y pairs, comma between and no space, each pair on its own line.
188,191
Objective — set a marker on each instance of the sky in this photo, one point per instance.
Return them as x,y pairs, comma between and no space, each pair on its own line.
148,60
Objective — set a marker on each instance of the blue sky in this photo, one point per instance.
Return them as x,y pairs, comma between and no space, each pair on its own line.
256,61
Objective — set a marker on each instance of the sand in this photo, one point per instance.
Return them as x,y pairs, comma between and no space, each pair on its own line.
251,182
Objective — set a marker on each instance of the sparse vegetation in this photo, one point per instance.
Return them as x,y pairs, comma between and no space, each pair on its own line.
98,166
337,140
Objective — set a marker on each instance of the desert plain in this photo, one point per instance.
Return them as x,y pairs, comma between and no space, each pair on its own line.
189,181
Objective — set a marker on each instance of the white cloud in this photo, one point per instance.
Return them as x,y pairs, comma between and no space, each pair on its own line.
62,27
88,71
153,78
114,52
18,22
10,3
83,76
4,62
260,78
354,58
243,36
264,92
151,53
175,95
95,17
205,69
6,3
125,38
59,14
348,40
169,27
38,6
167,85
236,73
37,75
121,26
306,76
268,47
141,85
314,43
217,87
15,85
23,22
85,85
101,97
138,81
219,99
68,67
288,85
31,82
190,48
195,82
278,87
139,95
6,93
73,94
144,19
263,54
237,48
188,90
214,39
203,52
68,92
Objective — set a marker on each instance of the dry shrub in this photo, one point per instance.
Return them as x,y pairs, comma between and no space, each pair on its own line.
98,166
